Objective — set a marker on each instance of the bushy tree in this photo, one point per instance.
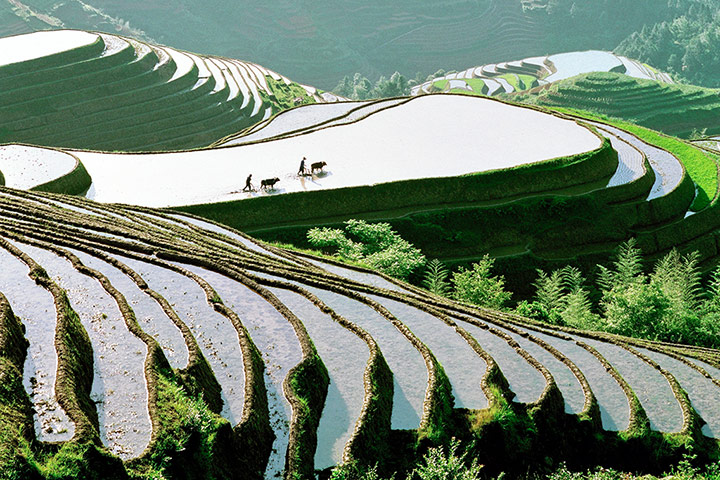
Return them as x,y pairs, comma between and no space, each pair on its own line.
374,244
477,285
634,310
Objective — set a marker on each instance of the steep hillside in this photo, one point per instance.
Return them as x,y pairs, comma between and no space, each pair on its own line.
77,89
587,185
146,343
361,145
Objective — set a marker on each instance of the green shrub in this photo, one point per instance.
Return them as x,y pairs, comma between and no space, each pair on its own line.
668,304
353,472
453,466
685,470
634,310
376,245
478,286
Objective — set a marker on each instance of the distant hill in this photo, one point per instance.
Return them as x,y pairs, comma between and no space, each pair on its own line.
319,44
520,75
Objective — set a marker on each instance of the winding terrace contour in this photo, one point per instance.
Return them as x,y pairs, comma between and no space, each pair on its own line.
420,364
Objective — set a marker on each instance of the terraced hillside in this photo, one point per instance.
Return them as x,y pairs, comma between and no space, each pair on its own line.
674,109
98,91
589,186
376,38
151,343
518,76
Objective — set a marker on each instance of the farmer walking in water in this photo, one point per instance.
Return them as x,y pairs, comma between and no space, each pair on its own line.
302,170
248,186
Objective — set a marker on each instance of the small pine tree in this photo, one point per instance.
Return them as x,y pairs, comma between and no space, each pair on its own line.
627,268
561,299
712,300
436,275
549,294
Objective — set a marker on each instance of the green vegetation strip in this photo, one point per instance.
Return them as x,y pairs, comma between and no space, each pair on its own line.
700,165
16,416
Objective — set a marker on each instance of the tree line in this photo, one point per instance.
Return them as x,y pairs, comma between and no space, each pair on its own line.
668,303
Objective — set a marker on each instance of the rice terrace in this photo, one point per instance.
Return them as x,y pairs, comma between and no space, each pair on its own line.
505,269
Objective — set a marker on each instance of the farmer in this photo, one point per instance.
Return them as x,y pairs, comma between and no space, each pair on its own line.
302,170
248,186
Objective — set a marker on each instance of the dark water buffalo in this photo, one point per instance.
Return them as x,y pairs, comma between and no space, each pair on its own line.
317,166
268,182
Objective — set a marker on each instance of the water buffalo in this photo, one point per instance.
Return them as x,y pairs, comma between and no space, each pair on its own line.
317,166
268,182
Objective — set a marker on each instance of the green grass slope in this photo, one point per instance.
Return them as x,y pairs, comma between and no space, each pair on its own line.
673,109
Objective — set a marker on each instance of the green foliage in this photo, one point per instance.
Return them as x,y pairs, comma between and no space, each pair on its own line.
436,465
376,245
686,45
627,268
360,88
450,466
684,470
712,302
479,286
561,299
698,134
286,96
634,310
186,424
353,472
667,305
436,274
